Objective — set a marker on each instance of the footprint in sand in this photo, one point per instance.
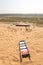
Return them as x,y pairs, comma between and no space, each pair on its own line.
38,51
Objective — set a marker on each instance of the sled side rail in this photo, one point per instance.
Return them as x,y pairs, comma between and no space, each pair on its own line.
26,25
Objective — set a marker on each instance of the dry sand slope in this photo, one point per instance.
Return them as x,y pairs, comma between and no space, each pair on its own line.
10,36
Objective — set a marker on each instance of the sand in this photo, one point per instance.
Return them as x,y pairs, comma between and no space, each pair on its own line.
10,35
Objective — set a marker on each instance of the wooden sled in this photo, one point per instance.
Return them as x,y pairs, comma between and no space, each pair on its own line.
23,50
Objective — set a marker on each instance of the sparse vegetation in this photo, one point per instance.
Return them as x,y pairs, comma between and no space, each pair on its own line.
36,20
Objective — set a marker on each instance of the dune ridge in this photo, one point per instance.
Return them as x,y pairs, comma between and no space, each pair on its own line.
10,35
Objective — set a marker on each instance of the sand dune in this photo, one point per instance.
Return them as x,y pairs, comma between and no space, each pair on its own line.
10,35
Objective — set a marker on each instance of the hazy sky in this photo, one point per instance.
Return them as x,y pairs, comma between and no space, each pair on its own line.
21,6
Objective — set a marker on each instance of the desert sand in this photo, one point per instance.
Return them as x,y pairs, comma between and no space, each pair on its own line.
10,35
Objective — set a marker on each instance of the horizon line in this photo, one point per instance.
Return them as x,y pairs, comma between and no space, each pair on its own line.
21,13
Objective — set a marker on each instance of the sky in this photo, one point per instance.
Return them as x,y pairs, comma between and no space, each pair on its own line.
21,6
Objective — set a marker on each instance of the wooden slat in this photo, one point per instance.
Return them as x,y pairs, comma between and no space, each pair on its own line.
22,25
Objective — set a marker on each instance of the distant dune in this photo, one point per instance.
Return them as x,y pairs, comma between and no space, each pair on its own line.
26,15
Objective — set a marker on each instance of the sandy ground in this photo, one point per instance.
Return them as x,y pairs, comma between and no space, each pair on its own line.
10,35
